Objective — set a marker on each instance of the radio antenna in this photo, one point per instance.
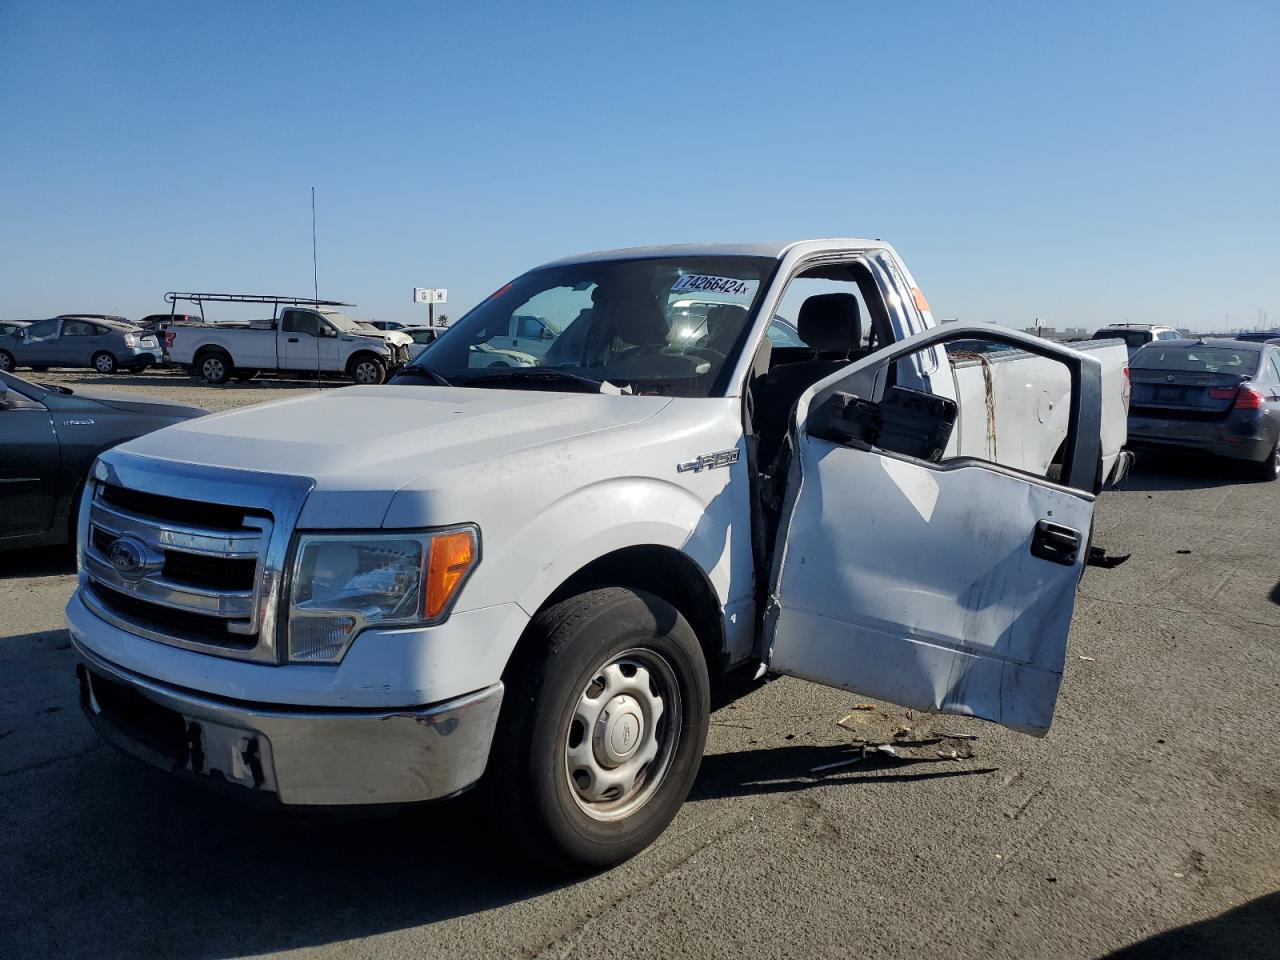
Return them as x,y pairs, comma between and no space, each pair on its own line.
315,268
315,285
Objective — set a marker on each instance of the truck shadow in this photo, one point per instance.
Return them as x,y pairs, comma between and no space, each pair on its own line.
790,768
1250,930
127,860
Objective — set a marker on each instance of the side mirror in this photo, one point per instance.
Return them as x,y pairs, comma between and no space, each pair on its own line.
909,422
545,334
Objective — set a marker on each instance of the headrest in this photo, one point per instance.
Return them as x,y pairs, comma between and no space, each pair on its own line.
637,320
724,323
829,322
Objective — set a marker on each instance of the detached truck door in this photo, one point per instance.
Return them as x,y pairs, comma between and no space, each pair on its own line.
939,585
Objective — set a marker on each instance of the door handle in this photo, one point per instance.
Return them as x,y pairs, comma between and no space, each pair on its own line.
1053,541
293,339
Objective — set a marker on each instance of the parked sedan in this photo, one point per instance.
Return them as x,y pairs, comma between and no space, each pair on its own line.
1220,397
422,337
12,326
49,437
1266,336
103,345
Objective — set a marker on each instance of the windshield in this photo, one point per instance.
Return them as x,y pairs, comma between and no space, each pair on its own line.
343,322
1206,359
657,326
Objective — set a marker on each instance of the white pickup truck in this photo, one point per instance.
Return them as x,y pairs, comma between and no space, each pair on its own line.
300,339
524,578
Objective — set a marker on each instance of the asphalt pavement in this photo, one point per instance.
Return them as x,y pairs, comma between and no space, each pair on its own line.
1145,825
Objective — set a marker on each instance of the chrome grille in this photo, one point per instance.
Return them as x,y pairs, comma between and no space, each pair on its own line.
184,572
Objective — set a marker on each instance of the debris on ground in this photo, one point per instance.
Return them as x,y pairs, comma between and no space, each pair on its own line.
1098,557
886,732
839,763
1088,659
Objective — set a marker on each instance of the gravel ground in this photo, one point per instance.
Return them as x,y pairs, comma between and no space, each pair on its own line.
1148,819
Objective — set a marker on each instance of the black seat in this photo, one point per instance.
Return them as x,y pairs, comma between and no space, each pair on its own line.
830,324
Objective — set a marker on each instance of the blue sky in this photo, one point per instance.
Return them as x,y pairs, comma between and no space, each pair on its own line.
1084,163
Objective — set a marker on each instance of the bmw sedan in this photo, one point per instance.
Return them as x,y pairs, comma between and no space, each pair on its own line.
1218,397
49,437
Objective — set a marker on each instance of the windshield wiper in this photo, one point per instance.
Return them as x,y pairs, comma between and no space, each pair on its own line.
538,375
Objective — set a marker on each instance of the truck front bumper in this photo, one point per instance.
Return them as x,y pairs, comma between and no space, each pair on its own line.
301,756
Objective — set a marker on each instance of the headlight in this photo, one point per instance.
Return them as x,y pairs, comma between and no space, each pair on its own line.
347,582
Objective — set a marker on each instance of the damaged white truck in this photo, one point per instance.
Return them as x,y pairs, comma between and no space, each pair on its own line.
525,579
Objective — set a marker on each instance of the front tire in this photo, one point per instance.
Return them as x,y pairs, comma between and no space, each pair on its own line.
368,371
602,729
6,361
104,363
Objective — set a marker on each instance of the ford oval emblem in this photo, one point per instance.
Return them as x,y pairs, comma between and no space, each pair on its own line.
128,556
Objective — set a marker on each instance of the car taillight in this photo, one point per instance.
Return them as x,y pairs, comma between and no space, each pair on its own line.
1249,398
168,340
130,340
1222,393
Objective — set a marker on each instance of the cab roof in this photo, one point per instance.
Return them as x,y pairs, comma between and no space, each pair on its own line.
775,250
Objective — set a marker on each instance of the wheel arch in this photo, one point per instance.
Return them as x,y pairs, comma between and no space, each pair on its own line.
665,572
207,348
365,353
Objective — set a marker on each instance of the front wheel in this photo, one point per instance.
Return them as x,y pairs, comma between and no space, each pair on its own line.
104,363
602,729
6,361
368,371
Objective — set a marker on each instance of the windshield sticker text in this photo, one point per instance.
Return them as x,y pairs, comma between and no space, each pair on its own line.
725,286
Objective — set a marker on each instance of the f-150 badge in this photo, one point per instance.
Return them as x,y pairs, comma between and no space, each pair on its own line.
709,461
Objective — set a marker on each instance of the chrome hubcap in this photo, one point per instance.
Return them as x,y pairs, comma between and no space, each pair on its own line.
104,364
622,735
4,362
366,373
212,369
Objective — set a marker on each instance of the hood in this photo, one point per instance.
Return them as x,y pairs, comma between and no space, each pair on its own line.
124,402
398,337
359,445
393,337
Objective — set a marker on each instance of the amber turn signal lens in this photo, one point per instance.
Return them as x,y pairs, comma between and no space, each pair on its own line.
452,557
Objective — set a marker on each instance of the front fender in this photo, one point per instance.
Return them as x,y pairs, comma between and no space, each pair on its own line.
614,514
